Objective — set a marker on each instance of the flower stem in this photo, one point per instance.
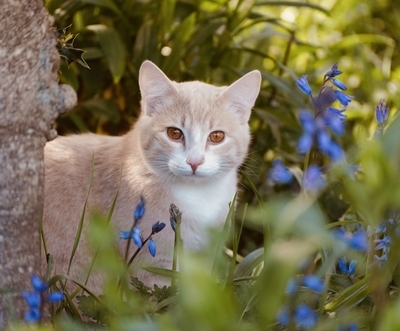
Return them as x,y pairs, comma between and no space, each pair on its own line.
177,245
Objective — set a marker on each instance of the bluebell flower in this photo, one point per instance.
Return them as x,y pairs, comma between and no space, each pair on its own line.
333,72
382,112
157,227
313,179
55,296
302,83
305,317
352,267
338,84
135,235
382,258
32,315
314,283
32,298
383,243
305,143
38,284
344,99
173,215
307,121
283,317
335,152
152,247
291,287
351,327
359,241
342,263
139,210
279,173
323,140
381,228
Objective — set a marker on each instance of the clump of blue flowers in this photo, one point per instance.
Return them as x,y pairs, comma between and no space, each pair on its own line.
135,234
320,126
36,299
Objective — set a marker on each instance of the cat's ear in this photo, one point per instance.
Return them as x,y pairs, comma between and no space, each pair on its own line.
155,87
242,94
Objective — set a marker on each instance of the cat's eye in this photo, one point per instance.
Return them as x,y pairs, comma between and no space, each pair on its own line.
216,136
174,133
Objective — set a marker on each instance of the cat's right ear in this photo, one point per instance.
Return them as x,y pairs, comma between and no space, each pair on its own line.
155,87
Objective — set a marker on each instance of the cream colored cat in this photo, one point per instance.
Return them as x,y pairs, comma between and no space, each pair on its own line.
185,148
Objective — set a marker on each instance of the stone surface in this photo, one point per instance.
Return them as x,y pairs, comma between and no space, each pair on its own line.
30,101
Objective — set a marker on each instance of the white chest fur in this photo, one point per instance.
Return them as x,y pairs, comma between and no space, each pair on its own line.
203,206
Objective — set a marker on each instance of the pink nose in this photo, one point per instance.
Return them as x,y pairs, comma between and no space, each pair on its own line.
194,164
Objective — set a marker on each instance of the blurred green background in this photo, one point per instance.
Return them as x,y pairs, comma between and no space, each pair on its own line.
217,42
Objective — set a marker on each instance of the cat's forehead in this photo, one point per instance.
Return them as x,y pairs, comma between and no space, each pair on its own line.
196,89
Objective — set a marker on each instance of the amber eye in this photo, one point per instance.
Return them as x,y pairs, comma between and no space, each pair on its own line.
174,133
216,136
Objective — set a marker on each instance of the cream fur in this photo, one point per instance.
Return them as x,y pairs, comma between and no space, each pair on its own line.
154,166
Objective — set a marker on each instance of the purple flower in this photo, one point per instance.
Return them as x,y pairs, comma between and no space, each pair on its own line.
338,84
343,98
139,210
314,283
157,227
302,83
333,72
382,112
279,173
152,248
305,317
313,180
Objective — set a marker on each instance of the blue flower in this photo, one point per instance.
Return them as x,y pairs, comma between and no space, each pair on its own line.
279,173
305,317
352,267
302,83
383,243
351,327
359,241
314,283
307,121
55,297
33,315
157,227
305,143
333,72
32,298
135,235
283,317
335,152
382,112
152,247
291,287
343,98
382,258
324,140
139,210
342,263
38,284
338,84
313,180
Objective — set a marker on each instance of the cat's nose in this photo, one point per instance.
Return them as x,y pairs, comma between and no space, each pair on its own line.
194,163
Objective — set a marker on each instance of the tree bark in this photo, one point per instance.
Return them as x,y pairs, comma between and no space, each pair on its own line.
30,101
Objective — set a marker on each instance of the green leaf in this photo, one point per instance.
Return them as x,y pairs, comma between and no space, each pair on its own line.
113,49
179,40
249,263
91,308
162,272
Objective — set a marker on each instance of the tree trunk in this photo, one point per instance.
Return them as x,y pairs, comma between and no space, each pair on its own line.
30,101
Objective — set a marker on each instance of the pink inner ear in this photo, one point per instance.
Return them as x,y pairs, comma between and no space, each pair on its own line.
155,87
242,94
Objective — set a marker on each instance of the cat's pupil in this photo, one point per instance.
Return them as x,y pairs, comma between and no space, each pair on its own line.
217,136
174,133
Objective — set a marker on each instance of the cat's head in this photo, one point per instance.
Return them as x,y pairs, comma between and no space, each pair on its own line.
194,131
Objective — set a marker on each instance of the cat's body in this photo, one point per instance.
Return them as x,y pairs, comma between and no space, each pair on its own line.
183,166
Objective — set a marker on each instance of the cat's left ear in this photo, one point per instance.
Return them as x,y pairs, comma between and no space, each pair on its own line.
242,94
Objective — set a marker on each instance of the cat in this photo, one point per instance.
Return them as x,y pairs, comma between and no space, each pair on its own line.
185,148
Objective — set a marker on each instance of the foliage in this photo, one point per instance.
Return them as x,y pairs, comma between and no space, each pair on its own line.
296,273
